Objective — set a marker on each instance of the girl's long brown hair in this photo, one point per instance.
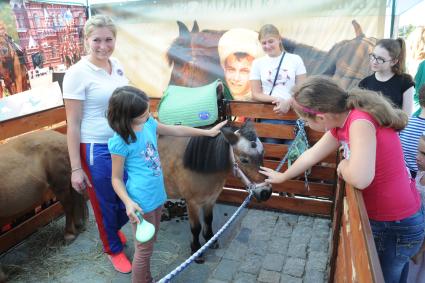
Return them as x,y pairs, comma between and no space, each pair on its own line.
125,104
322,94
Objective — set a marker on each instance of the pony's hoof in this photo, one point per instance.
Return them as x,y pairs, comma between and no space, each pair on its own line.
214,245
69,238
200,259
81,227
3,276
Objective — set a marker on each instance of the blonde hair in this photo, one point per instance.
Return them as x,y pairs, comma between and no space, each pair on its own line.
99,21
323,95
270,30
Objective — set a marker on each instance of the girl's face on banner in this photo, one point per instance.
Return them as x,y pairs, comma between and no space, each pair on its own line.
271,45
101,43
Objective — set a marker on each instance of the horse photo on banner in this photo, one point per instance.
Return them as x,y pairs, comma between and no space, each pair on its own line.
13,71
181,42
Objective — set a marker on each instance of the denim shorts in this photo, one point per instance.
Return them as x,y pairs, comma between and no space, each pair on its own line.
396,242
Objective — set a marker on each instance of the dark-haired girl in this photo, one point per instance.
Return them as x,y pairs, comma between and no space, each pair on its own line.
134,148
387,61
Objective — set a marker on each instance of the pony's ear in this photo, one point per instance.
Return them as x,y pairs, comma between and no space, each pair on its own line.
195,27
183,30
248,130
230,136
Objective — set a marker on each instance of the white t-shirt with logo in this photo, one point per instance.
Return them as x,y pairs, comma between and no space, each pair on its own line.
87,82
264,69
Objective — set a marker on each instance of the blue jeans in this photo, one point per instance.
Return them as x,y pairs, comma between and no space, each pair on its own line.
396,242
277,122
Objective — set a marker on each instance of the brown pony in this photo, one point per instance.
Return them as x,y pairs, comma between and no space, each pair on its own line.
12,66
196,169
347,61
194,57
31,165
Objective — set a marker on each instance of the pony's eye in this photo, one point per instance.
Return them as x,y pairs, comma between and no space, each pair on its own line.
244,159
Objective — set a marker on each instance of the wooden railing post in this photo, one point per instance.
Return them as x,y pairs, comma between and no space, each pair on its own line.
354,256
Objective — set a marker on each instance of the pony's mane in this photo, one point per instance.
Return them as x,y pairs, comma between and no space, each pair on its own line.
207,155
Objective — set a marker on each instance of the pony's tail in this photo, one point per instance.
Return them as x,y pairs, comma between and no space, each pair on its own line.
378,107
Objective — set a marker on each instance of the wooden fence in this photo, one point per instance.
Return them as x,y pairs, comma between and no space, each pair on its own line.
350,224
353,252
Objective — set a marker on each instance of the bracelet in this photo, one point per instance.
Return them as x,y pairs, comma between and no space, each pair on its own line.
76,169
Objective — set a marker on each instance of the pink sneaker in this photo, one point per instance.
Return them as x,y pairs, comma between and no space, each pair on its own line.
120,262
122,237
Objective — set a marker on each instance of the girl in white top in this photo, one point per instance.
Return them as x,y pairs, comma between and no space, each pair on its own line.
87,87
263,72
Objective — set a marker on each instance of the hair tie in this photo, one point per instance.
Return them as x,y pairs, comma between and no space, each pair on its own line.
305,108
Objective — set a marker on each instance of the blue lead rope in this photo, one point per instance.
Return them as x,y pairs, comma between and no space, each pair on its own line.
301,134
186,263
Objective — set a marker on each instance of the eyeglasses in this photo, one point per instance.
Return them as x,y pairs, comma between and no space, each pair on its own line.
378,60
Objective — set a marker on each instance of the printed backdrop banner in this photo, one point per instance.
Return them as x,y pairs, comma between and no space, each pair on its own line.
192,43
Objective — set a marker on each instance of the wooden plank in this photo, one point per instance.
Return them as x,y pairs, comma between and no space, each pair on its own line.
278,151
14,127
257,110
153,104
359,255
281,131
292,186
365,256
317,172
336,216
295,205
356,246
19,233
340,268
48,196
346,235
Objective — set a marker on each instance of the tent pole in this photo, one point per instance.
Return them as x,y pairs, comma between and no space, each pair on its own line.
88,12
393,10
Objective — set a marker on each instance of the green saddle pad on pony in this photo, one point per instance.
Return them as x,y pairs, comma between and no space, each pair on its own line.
189,106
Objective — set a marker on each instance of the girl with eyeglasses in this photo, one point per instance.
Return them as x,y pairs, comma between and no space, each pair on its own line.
387,61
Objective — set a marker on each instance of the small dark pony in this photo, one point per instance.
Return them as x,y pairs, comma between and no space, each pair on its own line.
12,66
194,57
196,169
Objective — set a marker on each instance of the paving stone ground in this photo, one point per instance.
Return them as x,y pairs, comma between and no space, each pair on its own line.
260,246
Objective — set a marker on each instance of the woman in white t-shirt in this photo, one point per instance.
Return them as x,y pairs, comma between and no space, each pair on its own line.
273,76
87,87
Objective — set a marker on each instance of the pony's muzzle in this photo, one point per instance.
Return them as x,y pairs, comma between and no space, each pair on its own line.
262,191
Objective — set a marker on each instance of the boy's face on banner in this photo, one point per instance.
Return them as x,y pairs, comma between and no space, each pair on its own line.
236,74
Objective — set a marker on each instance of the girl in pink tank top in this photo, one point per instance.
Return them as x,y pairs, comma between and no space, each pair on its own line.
365,124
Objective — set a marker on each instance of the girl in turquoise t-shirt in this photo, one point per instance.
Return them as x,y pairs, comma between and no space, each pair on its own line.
134,148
